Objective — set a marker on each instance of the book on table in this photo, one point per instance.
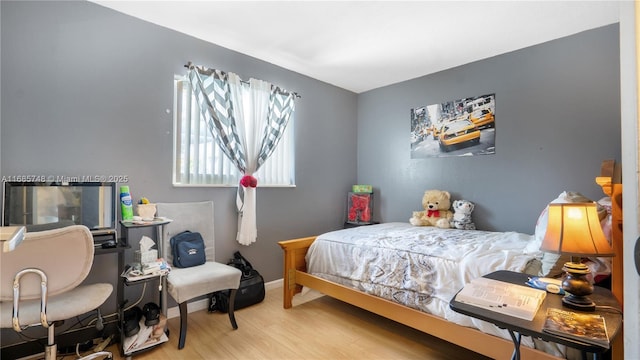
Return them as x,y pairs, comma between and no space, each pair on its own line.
502,297
588,328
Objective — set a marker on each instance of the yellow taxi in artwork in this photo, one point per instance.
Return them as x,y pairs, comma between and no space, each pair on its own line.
459,133
435,130
482,118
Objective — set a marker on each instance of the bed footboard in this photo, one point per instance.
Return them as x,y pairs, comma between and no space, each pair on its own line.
294,259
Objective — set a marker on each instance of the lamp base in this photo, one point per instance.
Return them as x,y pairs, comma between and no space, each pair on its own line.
581,303
577,287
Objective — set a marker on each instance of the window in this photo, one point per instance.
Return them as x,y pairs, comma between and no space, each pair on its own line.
198,161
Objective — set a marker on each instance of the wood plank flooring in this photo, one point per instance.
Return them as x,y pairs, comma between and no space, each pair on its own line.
321,328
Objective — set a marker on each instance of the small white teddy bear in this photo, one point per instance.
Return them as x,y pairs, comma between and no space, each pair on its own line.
462,215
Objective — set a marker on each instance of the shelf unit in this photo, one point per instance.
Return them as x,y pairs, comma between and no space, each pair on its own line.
158,226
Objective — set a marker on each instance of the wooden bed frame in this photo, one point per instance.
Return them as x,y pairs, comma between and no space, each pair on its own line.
295,277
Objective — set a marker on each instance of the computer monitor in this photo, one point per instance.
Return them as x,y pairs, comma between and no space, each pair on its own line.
43,204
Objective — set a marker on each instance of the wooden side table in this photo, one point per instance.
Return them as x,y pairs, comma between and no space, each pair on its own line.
519,327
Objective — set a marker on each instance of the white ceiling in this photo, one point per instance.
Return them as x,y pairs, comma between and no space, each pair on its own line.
363,45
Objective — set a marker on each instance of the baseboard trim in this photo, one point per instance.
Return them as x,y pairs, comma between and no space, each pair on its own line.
203,304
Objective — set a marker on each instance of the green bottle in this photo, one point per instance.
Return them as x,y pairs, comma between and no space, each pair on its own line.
126,203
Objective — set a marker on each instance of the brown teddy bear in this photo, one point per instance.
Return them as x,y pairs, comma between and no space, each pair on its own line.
436,212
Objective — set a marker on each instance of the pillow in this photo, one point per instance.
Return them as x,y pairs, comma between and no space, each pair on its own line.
604,212
552,263
601,266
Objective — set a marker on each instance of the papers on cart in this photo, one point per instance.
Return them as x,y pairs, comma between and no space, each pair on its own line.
146,337
146,271
510,299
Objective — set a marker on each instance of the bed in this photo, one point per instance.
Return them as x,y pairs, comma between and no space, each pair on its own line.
428,313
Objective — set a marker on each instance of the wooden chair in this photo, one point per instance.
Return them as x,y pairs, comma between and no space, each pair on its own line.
184,284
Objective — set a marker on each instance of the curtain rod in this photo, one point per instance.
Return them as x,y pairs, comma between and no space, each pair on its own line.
189,65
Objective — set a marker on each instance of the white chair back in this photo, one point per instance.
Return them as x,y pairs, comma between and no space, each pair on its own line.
192,216
65,255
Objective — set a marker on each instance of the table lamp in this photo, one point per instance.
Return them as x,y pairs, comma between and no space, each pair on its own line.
574,229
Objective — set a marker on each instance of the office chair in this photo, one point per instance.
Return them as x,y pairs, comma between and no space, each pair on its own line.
184,284
40,282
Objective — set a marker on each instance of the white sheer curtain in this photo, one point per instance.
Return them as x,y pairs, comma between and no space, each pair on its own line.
251,114
247,120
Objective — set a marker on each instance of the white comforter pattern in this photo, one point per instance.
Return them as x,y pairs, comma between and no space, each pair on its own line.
420,267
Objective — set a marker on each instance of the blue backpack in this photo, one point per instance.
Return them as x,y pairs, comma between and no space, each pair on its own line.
187,249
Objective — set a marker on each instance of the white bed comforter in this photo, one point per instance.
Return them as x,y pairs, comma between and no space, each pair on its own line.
420,267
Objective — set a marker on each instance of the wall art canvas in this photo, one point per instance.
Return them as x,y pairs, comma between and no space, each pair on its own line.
464,127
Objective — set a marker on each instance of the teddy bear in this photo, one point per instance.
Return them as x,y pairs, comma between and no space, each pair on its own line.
436,204
462,215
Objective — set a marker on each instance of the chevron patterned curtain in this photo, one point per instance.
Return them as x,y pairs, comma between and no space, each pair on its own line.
247,119
281,107
212,90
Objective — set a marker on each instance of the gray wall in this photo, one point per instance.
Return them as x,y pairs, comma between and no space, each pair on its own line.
89,91
557,117
85,91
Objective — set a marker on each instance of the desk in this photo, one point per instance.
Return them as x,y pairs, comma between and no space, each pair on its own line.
11,237
518,327
119,251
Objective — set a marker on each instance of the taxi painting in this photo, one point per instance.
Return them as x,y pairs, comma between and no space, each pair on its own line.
464,127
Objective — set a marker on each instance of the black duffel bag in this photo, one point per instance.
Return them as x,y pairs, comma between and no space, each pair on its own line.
251,290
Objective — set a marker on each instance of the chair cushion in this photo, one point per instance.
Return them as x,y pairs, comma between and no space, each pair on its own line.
68,305
187,283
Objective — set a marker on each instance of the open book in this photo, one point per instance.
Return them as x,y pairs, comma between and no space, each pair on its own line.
588,328
510,299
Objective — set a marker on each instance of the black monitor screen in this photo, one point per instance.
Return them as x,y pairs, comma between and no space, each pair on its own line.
92,204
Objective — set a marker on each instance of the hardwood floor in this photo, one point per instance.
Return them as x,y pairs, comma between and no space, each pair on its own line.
321,328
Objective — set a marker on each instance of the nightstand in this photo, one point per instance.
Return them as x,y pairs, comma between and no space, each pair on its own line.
519,327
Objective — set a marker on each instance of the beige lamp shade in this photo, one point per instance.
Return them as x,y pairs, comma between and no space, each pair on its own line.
574,229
